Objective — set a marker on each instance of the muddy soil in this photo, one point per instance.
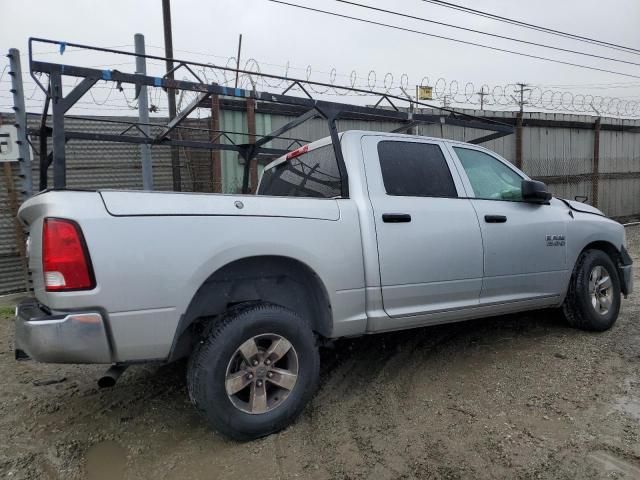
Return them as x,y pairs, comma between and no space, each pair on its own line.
520,396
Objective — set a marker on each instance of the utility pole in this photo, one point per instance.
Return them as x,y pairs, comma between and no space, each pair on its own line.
24,159
482,95
238,59
143,113
521,103
171,93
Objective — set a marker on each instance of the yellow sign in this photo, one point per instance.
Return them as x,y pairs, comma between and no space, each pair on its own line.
424,92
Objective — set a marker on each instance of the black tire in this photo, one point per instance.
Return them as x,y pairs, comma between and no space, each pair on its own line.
578,308
207,370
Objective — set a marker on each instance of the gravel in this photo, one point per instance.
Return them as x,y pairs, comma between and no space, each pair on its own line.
520,396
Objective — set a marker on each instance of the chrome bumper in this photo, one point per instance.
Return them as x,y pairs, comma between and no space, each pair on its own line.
78,337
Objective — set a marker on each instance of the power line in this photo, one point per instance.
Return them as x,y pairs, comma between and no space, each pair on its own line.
533,27
465,42
504,37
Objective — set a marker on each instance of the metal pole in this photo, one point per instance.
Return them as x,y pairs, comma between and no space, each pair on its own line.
596,162
44,136
24,159
519,140
238,59
143,114
171,93
216,158
251,130
58,137
519,118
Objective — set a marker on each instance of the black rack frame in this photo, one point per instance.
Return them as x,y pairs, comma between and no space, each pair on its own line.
311,108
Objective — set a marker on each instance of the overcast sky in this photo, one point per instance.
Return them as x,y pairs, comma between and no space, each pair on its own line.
275,34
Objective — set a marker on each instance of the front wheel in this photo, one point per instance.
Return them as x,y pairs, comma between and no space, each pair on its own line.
593,299
254,370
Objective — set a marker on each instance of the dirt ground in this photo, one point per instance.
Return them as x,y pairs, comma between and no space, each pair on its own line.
512,397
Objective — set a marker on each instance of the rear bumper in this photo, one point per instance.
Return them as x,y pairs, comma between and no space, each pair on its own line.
77,337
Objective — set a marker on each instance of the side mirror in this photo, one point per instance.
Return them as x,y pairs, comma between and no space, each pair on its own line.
535,192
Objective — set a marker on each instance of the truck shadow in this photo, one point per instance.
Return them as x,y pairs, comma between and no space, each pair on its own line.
370,352
495,334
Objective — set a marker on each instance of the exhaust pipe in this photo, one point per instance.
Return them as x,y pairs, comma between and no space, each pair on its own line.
111,376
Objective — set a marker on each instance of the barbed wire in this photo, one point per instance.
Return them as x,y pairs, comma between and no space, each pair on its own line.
553,97
453,92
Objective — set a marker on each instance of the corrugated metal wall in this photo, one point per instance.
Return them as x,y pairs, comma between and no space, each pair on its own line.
552,154
556,155
232,166
12,275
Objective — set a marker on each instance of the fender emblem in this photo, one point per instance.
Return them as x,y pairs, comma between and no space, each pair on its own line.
555,240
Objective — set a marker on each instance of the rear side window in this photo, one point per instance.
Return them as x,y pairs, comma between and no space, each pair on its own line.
415,170
313,174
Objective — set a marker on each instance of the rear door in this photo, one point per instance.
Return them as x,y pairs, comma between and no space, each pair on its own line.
429,244
524,243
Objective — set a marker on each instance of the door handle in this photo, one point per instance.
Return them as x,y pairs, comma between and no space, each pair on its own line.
495,218
396,217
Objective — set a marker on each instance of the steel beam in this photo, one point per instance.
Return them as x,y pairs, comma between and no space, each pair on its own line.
107,137
175,121
58,135
78,91
309,103
486,138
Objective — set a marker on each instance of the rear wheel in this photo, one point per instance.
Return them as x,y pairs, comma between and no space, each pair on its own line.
593,299
254,371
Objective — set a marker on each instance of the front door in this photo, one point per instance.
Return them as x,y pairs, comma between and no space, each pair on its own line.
429,244
524,243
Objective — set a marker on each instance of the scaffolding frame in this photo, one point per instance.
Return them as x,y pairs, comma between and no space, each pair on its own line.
253,151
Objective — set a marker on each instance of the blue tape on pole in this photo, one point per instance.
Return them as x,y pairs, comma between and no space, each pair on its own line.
224,91
157,81
237,92
63,45
106,74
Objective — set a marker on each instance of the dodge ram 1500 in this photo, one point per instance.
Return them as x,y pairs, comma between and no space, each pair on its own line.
428,231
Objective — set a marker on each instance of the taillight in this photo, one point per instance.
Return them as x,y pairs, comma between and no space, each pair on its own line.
65,257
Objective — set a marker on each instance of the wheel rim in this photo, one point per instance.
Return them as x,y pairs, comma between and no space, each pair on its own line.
262,373
600,290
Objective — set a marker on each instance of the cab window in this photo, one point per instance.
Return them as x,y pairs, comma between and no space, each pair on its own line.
414,169
490,178
313,174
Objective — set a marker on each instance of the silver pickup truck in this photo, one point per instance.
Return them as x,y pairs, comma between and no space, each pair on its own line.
427,231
